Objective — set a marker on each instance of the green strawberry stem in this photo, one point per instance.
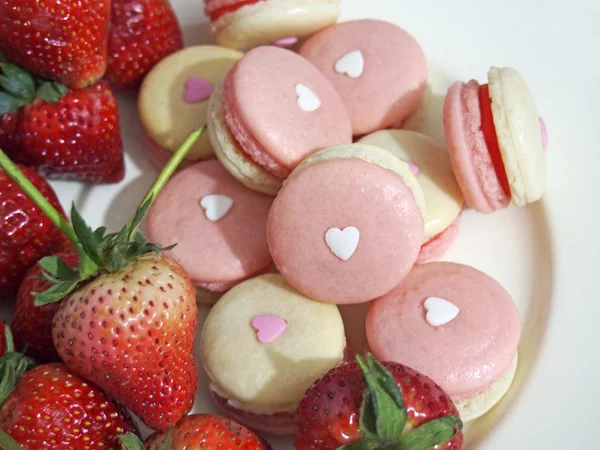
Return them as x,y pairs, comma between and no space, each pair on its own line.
31,191
8,337
383,416
8,443
129,441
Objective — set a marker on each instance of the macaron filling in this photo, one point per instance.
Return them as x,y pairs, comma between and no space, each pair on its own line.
217,9
244,138
491,139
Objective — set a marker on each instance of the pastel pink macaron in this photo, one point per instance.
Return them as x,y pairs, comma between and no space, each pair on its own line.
456,325
273,110
496,141
218,224
347,225
378,68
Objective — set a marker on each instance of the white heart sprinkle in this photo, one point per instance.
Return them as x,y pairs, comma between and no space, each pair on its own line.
351,64
216,206
342,243
440,311
307,99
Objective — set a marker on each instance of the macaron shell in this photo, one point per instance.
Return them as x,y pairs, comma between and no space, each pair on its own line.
263,94
517,124
167,118
223,251
466,355
474,408
267,376
341,193
231,156
443,197
268,21
436,247
394,75
469,155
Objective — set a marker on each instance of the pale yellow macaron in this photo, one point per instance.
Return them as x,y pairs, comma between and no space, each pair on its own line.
263,345
174,97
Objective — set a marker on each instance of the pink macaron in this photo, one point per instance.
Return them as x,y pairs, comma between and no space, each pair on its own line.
456,325
273,111
347,225
218,224
378,68
496,141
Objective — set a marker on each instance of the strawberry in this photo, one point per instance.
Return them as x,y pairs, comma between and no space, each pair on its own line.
200,431
63,41
142,33
26,234
62,133
364,405
31,325
52,408
129,314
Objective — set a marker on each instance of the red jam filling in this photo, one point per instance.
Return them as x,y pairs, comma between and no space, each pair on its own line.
218,13
491,139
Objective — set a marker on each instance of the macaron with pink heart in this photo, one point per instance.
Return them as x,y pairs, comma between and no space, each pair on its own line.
273,110
263,344
454,324
496,140
379,70
348,224
173,100
219,226
443,198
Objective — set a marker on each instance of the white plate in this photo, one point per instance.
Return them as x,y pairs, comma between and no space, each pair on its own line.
544,254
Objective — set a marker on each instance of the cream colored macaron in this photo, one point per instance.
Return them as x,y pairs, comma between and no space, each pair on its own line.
263,344
517,124
266,22
174,97
433,171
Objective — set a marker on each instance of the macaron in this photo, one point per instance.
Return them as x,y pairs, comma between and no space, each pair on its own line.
263,344
173,100
244,24
218,224
273,110
379,70
496,141
347,225
454,324
443,198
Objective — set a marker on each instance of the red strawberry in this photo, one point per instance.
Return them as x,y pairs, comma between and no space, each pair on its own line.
63,41
200,431
142,33
129,314
8,133
26,234
51,408
32,325
396,407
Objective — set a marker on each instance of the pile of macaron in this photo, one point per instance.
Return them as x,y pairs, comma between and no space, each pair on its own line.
306,194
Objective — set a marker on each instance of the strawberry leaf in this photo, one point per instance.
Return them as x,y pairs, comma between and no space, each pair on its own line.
88,240
130,441
51,92
56,292
9,103
8,443
3,58
168,438
57,268
12,367
17,81
431,434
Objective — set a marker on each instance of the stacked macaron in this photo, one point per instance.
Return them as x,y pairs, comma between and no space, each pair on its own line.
309,181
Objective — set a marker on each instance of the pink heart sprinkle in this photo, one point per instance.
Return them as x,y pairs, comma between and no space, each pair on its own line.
413,167
286,42
268,328
196,90
544,133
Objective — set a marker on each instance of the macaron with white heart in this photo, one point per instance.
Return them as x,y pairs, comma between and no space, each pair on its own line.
348,224
454,324
263,345
272,111
379,70
218,224
173,100
433,170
